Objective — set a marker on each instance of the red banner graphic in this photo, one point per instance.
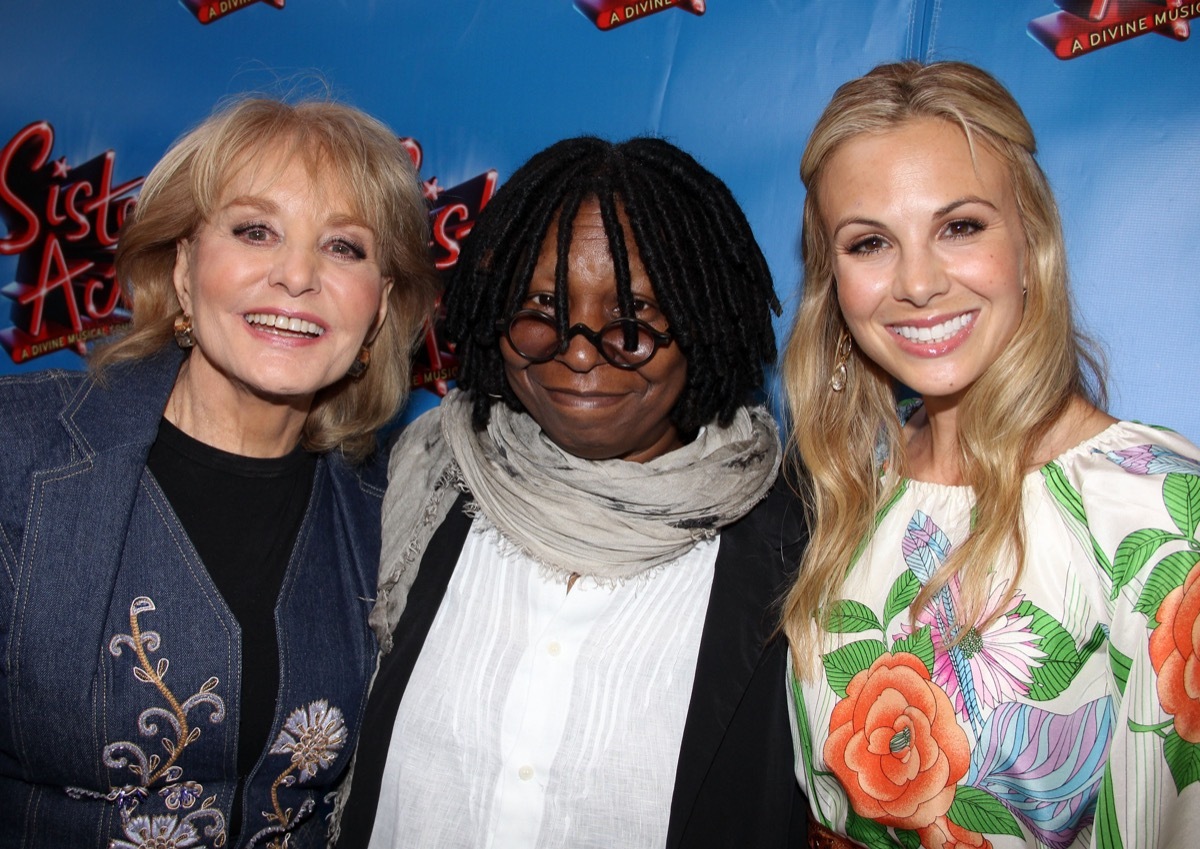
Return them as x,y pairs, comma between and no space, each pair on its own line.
1086,25
609,14
207,11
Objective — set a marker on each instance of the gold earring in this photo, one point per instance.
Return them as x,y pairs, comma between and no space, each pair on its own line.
183,332
841,371
359,367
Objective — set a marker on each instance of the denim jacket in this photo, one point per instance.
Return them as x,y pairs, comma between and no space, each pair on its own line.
120,663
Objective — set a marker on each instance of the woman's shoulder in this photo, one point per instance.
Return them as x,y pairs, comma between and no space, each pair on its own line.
46,386
32,401
1132,448
1129,475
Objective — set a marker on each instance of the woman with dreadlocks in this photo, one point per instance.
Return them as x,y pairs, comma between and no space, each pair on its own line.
585,657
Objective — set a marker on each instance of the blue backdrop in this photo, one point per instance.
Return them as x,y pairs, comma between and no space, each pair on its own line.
95,92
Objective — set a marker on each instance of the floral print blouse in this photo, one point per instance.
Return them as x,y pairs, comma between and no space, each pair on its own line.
1072,719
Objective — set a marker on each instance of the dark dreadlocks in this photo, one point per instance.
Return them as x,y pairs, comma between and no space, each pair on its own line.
708,273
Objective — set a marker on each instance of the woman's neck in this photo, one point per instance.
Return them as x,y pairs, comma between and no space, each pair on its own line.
222,415
931,445
934,455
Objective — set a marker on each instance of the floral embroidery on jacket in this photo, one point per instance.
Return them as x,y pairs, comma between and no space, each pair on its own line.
170,727
165,831
313,737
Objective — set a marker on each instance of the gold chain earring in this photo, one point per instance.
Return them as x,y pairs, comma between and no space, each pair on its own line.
841,371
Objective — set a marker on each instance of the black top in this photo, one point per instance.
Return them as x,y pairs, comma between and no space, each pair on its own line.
242,515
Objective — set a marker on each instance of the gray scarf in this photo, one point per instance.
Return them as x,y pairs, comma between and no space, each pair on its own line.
609,519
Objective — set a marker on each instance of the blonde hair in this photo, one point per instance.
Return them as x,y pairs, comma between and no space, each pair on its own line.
1003,415
338,144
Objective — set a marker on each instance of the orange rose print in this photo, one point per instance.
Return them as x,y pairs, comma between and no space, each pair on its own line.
1174,650
894,744
943,834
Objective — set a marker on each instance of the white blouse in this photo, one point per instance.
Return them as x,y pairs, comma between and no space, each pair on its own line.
537,717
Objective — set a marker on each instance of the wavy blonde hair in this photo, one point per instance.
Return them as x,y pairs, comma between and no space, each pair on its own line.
1003,416
339,146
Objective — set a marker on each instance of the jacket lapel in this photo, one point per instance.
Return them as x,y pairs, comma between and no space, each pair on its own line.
80,512
739,623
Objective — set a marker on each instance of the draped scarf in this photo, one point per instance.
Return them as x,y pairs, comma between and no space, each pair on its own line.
607,519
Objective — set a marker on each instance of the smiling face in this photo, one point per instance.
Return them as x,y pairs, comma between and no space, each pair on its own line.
586,406
283,286
928,253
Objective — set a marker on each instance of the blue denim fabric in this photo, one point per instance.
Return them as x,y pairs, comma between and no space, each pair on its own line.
120,664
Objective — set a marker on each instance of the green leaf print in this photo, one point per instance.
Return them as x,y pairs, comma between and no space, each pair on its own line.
1167,575
908,839
1181,494
980,811
879,514
1105,828
805,734
851,617
848,661
1134,552
1120,666
869,833
1063,661
1071,501
901,595
919,643
1183,759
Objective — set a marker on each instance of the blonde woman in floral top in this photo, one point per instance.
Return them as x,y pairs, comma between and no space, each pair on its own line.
996,623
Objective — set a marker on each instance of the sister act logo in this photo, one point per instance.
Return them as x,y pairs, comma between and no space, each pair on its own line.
452,213
61,223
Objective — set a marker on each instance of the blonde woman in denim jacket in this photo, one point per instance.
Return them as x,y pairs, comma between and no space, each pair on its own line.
189,534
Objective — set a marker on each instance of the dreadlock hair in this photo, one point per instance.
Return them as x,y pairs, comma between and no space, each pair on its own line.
708,272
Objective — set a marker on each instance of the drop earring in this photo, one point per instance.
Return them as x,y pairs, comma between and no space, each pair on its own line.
359,367
841,370
183,332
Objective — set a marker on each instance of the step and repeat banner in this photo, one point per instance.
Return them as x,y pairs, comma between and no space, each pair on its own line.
93,94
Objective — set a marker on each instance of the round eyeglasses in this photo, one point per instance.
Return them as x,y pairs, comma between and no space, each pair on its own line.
624,342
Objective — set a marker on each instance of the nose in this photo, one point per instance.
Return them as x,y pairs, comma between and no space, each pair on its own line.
920,277
580,354
296,270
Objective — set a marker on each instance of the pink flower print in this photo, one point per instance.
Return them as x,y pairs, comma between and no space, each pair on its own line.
1001,657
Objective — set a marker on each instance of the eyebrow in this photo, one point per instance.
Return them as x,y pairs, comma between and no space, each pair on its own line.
261,204
937,213
955,204
268,207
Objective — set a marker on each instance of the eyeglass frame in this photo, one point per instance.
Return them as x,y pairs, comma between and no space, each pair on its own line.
660,338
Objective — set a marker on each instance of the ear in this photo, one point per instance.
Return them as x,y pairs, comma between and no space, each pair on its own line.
181,276
383,310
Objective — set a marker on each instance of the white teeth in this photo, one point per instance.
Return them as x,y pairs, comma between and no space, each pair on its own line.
937,333
282,322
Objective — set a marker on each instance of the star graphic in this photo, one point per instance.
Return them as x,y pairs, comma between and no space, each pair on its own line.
61,169
431,189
